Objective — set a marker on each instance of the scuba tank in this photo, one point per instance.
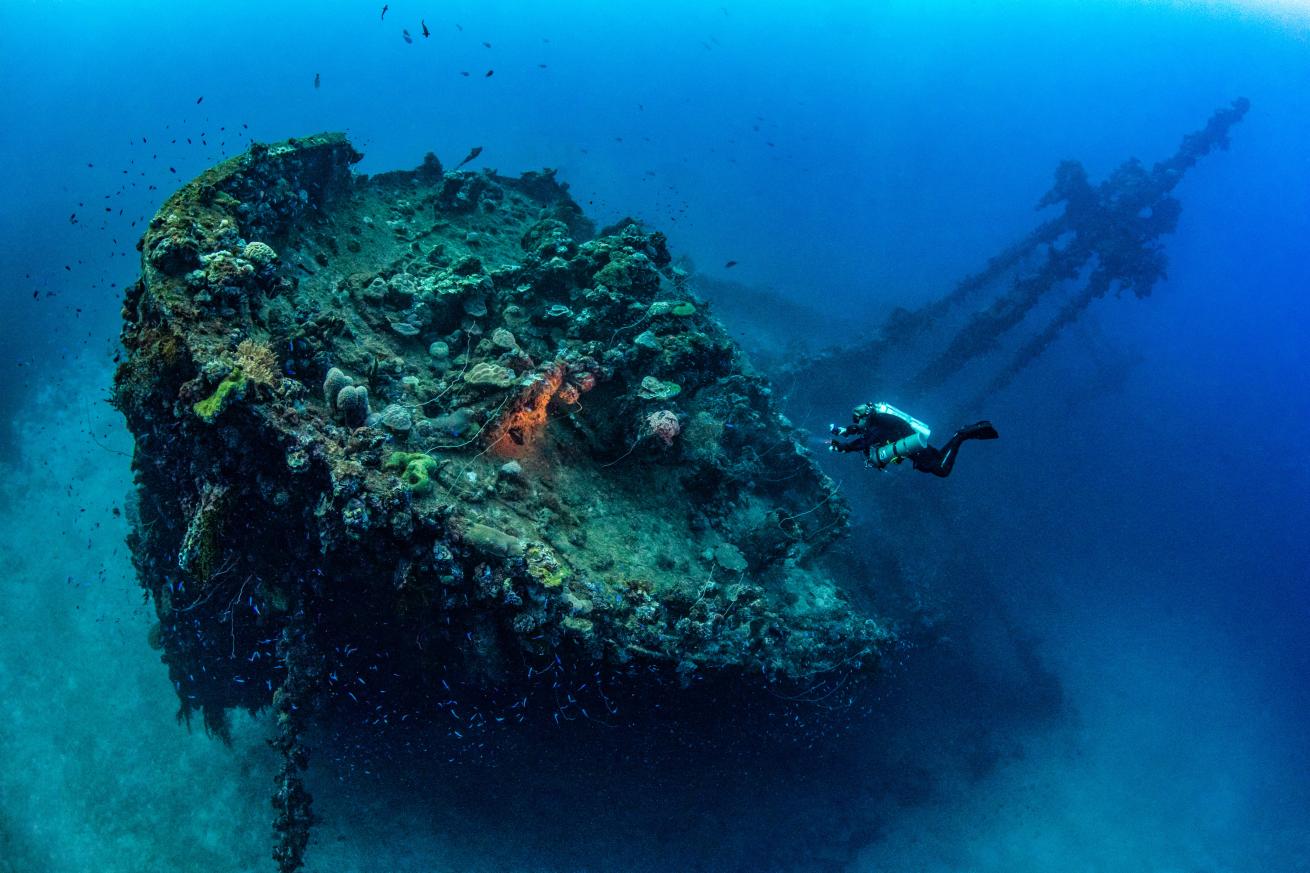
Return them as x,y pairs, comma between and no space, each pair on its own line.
888,409
902,448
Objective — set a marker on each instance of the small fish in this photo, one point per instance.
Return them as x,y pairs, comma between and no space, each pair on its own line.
318,80
200,99
729,265
473,153
490,73
426,32
486,45
405,35
464,73
385,7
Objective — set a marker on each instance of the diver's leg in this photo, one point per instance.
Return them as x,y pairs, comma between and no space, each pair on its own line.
936,461
941,461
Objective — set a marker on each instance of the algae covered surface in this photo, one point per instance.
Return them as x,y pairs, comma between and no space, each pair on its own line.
423,430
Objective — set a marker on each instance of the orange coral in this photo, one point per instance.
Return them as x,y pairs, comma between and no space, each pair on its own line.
519,426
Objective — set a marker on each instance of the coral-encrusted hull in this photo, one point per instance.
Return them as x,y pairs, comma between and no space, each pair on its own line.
429,420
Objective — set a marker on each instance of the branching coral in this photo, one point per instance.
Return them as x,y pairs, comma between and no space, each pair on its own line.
258,362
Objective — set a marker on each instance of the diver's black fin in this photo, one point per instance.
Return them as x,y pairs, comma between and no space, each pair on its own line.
982,430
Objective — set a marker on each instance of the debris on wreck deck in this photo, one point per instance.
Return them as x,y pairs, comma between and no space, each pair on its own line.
428,430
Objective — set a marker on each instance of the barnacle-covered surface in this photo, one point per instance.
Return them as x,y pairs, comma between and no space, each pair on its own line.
424,428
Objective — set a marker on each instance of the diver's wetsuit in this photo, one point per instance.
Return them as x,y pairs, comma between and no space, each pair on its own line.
873,429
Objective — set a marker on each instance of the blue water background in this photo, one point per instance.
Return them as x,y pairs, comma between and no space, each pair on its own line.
1144,526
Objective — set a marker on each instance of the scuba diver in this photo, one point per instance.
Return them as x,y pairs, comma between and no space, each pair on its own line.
888,436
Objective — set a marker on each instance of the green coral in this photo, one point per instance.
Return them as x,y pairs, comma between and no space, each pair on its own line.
416,470
683,309
231,388
202,543
554,578
655,389
581,626
545,567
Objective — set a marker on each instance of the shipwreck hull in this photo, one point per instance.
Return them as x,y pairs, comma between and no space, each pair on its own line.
425,441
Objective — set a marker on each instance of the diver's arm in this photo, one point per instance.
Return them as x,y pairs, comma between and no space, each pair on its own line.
857,443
